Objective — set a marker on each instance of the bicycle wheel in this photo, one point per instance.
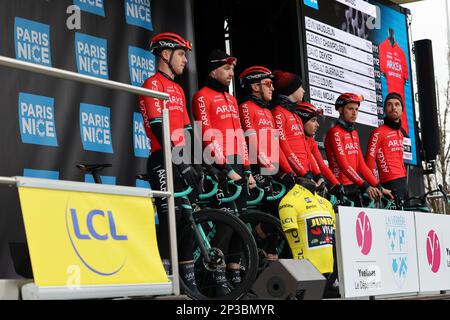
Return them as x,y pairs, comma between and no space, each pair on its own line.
276,239
213,224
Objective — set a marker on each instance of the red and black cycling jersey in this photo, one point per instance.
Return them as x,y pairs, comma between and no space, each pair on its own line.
345,157
150,109
262,136
385,153
318,165
292,140
222,133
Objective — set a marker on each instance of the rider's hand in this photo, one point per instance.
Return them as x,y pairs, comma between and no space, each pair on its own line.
336,190
374,193
190,176
251,181
387,193
233,175
288,179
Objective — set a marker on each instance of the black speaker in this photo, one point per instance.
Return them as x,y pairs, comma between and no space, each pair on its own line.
290,279
423,51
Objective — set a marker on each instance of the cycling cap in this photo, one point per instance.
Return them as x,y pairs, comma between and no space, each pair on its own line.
218,58
168,40
286,83
307,111
254,75
394,95
346,98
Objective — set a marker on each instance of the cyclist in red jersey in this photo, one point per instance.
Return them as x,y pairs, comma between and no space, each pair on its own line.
309,115
262,139
170,50
224,146
259,125
344,151
394,66
289,91
384,154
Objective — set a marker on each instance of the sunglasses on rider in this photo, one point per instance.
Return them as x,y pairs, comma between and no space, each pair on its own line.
267,82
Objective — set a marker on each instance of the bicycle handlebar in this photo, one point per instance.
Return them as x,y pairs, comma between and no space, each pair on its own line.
280,194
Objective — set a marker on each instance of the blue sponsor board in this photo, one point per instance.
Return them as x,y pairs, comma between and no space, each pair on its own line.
92,55
142,65
95,128
138,13
37,119
91,6
105,179
32,41
140,140
44,174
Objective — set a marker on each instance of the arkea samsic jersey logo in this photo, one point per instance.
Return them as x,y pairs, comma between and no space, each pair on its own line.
92,55
95,128
32,41
37,120
138,13
140,140
142,65
91,6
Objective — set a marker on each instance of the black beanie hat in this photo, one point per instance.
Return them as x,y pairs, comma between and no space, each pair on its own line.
216,59
394,95
286,83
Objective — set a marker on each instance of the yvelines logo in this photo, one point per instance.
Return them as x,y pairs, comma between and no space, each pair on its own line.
140,140
142,65
364,233
92,55
37,120
433,251
92,230
138,13
32,41
95,128
91,6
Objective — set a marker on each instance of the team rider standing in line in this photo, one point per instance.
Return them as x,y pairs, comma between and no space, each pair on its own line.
170,51
344,151
385,148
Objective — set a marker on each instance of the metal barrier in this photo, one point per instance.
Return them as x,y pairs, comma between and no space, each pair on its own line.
73,76
439,197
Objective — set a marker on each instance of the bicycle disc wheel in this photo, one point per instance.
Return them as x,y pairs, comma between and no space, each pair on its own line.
220,229
276,239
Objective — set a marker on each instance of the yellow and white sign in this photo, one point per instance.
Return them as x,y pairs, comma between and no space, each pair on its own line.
81,238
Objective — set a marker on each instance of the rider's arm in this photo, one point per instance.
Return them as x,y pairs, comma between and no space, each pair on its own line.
326,172
151,109
365,171
339,153
251,134
280,121
372,150
200,107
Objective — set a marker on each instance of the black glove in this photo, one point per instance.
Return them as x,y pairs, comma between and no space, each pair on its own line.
288,179
190,176
307,183
309,175
336,190
264,182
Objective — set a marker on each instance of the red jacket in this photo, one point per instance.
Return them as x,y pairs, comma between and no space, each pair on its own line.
385,151
150,109
345,157
222,133
292,140
262,136
318,165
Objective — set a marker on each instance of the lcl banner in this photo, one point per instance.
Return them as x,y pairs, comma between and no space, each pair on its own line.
84,239
50,125
376,252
